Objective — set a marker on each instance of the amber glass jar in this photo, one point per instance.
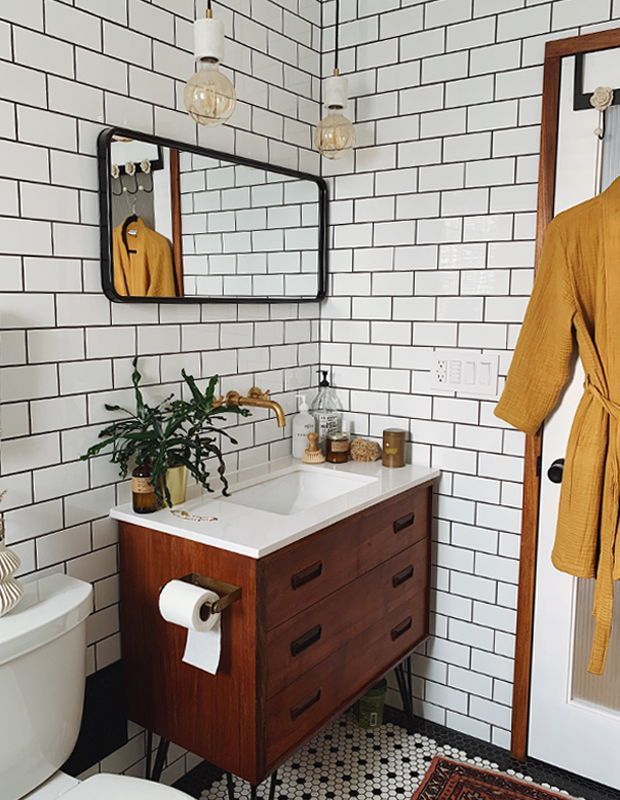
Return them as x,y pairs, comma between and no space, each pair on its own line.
142,494
337,446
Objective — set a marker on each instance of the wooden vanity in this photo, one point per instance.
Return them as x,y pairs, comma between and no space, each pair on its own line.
318,622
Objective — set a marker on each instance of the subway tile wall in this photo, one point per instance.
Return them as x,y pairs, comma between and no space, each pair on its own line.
68,69
433,244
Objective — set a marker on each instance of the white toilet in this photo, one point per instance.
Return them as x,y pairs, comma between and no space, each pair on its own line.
42,676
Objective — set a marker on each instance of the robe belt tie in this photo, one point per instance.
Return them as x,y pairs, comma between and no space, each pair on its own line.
604,588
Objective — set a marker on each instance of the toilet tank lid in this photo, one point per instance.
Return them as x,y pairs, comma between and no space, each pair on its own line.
51,606
104,787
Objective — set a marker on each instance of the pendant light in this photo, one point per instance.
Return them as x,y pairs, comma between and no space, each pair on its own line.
335,135
209,96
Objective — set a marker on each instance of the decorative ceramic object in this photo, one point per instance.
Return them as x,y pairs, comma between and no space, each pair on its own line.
365,450
10,590
176,479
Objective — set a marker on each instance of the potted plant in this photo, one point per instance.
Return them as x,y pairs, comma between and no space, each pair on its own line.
159,442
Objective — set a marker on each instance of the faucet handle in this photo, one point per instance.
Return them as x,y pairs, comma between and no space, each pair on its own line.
259,393
233,398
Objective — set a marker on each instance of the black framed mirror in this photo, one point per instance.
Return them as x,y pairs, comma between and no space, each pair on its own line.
184,224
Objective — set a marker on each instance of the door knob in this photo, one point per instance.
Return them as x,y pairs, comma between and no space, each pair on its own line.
554,473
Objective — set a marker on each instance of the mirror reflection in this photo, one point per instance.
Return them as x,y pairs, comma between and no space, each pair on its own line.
190,224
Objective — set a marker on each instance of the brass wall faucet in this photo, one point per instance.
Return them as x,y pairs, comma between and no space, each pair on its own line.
256,398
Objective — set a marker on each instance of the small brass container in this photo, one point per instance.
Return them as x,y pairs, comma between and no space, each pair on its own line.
394,447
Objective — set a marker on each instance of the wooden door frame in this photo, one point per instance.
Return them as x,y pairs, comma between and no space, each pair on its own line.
555,51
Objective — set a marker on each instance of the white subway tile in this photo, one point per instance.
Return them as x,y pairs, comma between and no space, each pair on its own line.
28,13
42,52
150,20
469,91
443,123
57,481
49,202
102,71
34,520
22,84
571,13
58,413
449,67
495,58
524,22
29,452
446,12
471,34
23,161
55,345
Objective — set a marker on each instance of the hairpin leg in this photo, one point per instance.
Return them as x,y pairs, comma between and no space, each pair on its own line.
405,686
160,759
230,785
272,785
148,746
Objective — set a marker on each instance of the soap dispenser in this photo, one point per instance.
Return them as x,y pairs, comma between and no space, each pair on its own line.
303,424
326,409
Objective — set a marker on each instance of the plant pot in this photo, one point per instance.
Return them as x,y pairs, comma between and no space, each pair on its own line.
176,481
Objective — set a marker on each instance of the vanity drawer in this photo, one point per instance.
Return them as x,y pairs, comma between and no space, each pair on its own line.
305,572
298,711
305,640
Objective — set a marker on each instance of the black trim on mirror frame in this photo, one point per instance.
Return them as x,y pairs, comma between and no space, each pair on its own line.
105,205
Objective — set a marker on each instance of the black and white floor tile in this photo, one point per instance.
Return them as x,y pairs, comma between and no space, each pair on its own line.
344,762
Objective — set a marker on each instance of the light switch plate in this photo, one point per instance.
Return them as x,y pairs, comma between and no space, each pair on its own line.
474,374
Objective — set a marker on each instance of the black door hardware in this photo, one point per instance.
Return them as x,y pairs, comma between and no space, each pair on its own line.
554,473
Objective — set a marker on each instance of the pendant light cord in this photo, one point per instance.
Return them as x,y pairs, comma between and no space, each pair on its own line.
336,38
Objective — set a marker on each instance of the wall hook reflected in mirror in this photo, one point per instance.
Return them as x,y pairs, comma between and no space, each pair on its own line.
130,172
147,186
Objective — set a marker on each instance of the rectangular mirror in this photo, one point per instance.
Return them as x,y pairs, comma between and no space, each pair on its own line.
181,223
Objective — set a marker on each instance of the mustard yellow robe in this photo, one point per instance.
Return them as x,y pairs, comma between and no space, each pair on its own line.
575,304
149,272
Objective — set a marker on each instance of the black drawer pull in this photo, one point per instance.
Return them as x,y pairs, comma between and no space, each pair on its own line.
404,522
306,575
306,640
401,628
299,710
403,576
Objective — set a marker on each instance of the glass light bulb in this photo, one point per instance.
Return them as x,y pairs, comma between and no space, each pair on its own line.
335,134
209,96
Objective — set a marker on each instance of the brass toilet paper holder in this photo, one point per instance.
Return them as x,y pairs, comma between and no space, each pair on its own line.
228,593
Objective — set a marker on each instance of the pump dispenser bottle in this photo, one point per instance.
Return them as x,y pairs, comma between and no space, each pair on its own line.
326,409
303,424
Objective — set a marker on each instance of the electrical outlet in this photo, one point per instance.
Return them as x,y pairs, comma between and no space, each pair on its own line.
469,373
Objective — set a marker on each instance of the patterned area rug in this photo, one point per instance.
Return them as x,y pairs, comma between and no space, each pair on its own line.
454,780
344,762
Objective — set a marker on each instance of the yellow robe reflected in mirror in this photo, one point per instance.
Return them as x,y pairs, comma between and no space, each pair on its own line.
143,263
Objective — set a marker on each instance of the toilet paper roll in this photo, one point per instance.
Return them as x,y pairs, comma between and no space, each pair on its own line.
180,603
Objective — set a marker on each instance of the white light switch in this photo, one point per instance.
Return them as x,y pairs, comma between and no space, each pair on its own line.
462,371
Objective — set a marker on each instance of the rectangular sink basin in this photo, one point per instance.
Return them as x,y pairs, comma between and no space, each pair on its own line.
300,489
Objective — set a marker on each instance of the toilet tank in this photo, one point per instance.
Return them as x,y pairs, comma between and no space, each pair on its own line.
42,675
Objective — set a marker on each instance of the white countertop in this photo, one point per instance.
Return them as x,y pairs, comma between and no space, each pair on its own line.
256,533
